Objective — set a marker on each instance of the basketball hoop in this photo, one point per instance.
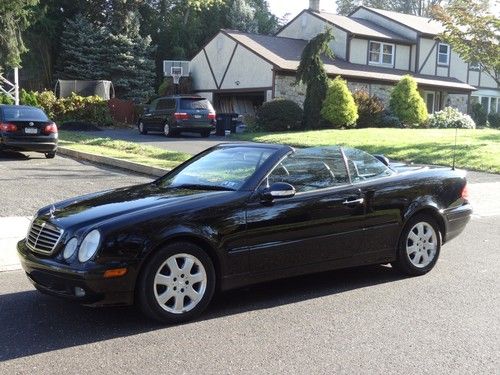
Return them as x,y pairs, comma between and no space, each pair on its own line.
176,72
176,78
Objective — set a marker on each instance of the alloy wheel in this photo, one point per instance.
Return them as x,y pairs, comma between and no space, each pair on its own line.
421,244
180,283
166,129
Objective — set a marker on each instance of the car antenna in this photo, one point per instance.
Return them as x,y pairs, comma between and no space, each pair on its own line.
455,150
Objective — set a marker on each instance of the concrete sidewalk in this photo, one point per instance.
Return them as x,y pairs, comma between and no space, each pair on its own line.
12,229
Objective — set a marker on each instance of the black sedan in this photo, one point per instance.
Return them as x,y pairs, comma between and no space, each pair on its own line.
239,214
25,128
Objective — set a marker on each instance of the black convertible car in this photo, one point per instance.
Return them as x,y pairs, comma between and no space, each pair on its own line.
239,214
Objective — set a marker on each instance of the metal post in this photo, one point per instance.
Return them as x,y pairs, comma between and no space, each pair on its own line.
16,86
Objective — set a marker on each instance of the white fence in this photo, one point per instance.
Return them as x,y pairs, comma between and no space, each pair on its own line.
11,89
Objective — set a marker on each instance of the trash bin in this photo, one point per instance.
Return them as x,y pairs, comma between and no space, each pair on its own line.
226,121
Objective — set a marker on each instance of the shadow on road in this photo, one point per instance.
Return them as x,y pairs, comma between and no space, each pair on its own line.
33,323
16,156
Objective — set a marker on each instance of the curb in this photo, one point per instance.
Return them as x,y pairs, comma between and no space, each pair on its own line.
113,162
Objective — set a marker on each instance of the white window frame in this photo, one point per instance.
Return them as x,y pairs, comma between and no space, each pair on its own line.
426,94
489,97
381,54
448,53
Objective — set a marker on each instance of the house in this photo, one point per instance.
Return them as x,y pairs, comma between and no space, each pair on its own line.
373,49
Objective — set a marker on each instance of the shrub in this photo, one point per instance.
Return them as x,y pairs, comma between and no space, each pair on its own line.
339,108
4,99
279,115
494,120
47,101
28,98
388,120
370,110
407,104
478,114
451,118
167,87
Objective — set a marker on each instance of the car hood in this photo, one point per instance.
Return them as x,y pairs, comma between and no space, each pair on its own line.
98,207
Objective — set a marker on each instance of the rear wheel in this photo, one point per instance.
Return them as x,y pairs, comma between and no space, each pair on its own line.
166,130
177,283
142,128
50,155
419,246
205,133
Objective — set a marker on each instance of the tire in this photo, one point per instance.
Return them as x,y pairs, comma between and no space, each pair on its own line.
205,133
166,293
166,130
419,246
50,155
142,128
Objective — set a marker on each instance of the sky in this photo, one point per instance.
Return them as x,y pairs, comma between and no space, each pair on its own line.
294,7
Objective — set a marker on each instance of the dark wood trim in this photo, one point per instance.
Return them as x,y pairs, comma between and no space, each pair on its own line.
228,65
387,18
449,62
368,52
348,47
393,57
210,67
274,84
437,56
383,40
250,89
248,48
409,58
468,69
427,58
469,104
479,78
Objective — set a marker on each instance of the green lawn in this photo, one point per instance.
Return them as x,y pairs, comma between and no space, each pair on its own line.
477,149
129,151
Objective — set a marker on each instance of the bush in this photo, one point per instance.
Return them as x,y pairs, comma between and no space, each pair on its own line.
339,108
47,100
388,120
407,104
4,99
478,114
370,110
494,120
451,118
167,87
279,115
28,98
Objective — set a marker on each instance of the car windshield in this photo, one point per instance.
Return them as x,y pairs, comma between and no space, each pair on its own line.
196,103
225,168
24,114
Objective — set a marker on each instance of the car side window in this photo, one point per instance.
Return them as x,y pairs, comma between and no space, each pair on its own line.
363,166
310,172
165,104
153,105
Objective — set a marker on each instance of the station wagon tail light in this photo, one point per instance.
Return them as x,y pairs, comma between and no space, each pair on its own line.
181,116
50,128
465,193
211,116
9,128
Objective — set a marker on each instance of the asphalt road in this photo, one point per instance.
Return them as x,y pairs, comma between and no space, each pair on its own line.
190,143
365,320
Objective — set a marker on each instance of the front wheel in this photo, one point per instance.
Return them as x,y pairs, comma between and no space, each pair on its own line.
142,128
167,131
419,246
177,283
50,155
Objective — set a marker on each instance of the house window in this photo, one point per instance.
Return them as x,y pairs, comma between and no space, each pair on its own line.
493,105
443,54
474,66
381,53
429,101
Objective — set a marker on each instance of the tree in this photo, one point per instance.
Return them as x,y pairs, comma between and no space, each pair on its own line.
311,72
82,51
473,33
406,102
241,16
339,108
415,7
15,17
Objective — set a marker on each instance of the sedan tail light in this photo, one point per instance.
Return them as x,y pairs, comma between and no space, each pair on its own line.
211,116
9,128
465,192
50,128
181,116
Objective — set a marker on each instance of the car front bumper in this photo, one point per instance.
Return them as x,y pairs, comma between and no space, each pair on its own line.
52,277
456,219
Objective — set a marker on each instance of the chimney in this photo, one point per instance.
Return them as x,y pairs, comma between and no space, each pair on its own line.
314,5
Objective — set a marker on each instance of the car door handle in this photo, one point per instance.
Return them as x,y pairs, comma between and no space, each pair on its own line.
355,201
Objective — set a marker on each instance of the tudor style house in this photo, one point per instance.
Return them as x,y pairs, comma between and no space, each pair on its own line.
373,49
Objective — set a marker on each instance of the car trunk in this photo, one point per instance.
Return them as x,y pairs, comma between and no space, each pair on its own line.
199,111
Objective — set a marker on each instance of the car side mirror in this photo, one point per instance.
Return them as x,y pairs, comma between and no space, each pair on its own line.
383,159
278,190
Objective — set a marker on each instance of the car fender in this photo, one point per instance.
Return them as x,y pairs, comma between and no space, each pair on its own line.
426,204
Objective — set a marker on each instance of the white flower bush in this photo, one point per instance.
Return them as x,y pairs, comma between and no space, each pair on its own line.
451,118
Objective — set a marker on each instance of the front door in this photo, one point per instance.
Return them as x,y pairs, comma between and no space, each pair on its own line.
318,224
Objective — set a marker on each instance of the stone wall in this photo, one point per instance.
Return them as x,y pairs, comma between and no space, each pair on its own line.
285,87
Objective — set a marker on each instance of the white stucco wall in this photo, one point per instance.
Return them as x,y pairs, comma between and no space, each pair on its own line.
388,24
219,52
427,46
359,50
247,70
402,57
458,67
200,72
307,26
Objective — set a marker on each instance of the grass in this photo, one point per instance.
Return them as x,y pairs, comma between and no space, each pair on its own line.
476,149
129,151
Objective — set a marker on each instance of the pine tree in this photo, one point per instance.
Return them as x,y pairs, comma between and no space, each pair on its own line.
129,60
311,72
339,108
82,51
241,16
406,102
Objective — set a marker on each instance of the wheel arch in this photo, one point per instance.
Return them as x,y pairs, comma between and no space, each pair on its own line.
432,212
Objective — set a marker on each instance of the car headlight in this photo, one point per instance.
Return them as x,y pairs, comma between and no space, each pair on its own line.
70,248
89,246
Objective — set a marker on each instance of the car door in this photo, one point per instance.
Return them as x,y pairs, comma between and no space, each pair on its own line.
384,202
322,222
148,117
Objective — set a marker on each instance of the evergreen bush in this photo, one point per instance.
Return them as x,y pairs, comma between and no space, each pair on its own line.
407,104
279,115
339,108
494,120
478,114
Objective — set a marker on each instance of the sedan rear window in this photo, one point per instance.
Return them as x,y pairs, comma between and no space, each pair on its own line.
196,103
24,114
